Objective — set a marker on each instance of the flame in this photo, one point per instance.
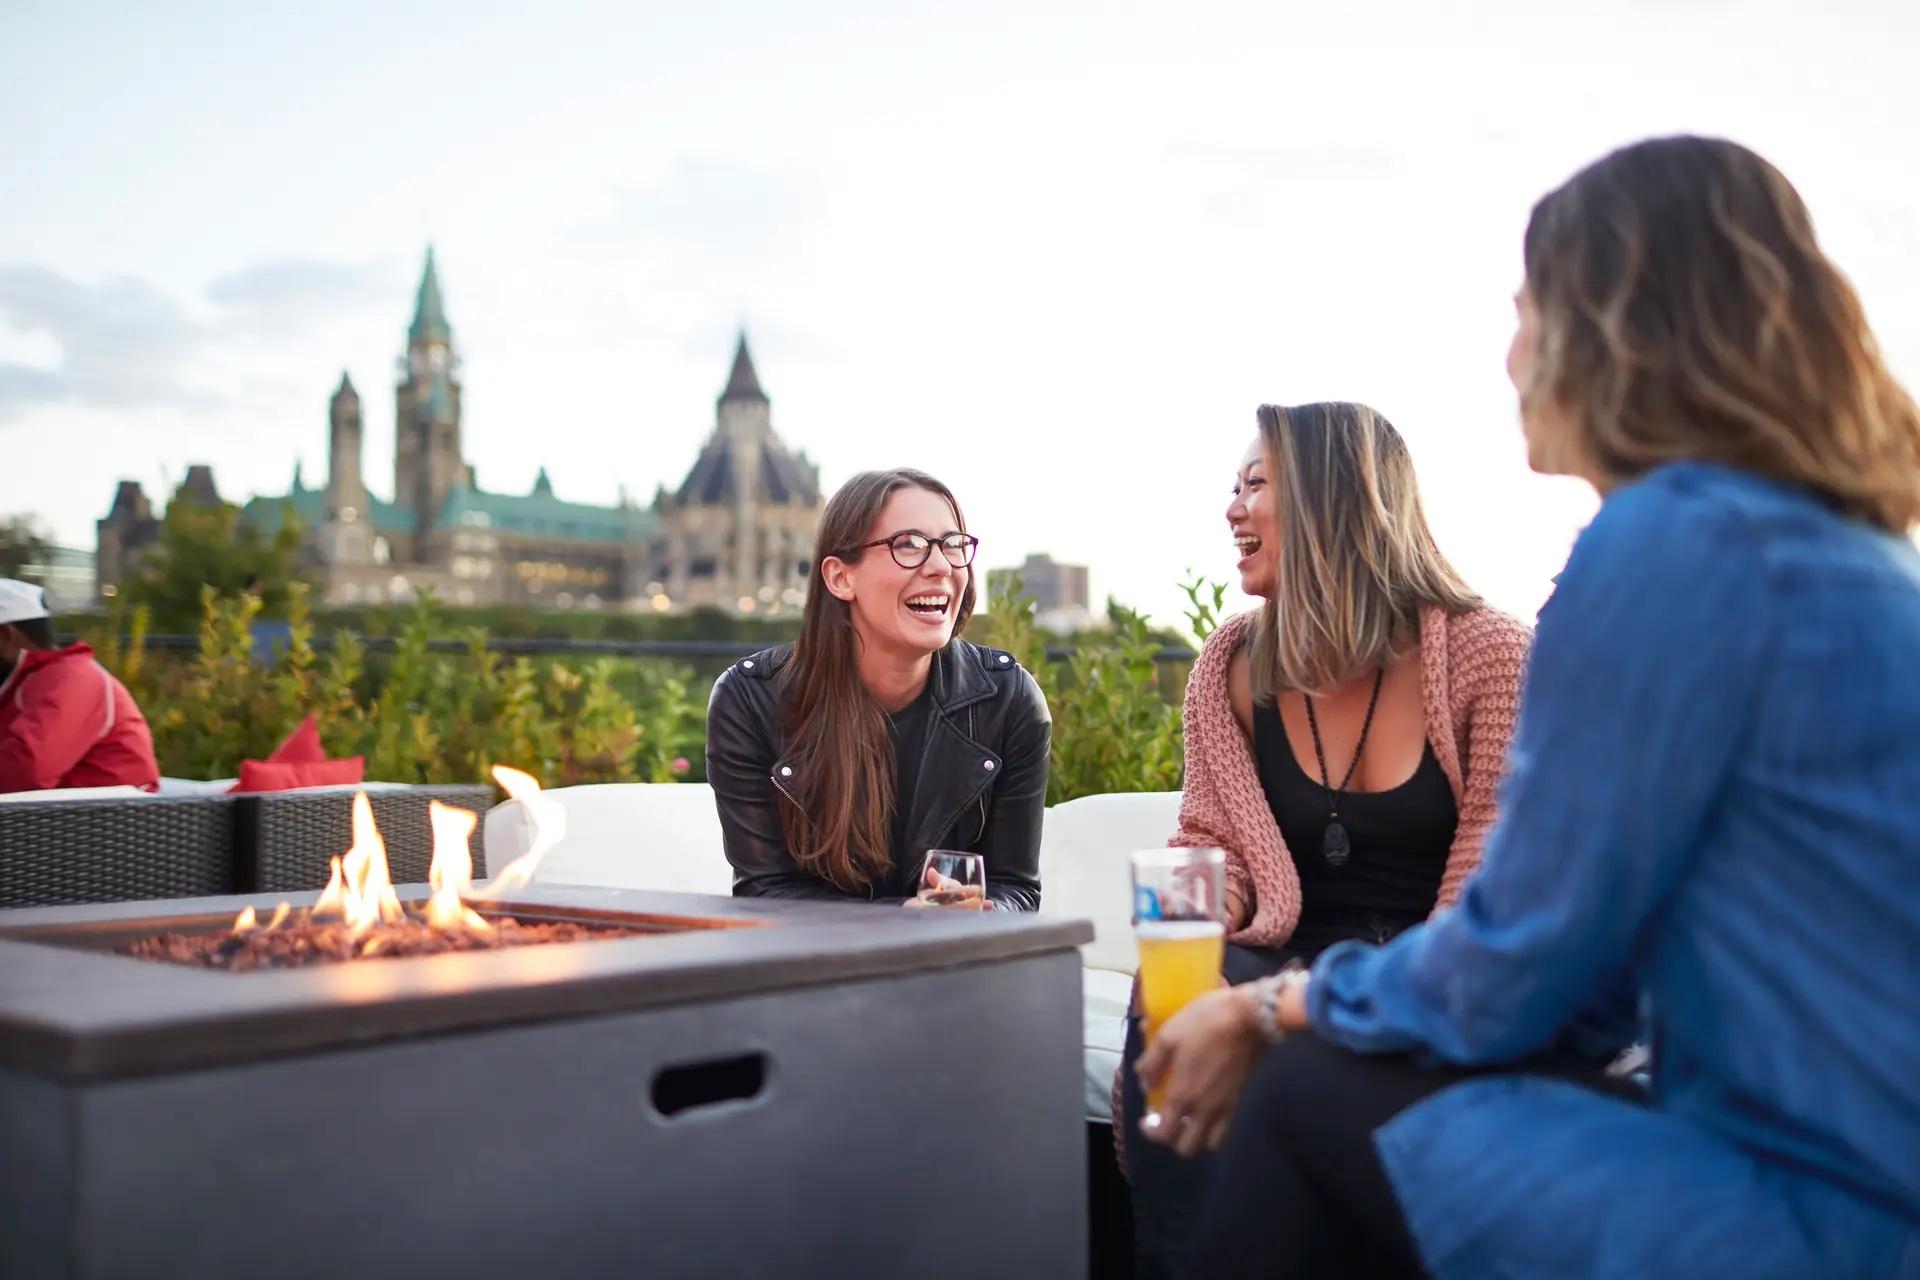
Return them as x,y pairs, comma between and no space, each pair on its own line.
451,874
549,823
360,891
333,898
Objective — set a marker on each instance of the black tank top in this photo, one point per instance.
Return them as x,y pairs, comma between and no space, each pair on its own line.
1400,841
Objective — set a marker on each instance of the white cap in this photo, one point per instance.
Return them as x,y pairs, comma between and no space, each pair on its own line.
21,601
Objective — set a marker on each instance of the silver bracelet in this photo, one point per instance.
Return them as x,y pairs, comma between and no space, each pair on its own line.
1266,999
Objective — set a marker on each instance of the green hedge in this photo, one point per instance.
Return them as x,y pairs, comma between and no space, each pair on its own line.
421,715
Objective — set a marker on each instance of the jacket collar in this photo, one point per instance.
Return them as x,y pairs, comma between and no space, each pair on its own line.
959,678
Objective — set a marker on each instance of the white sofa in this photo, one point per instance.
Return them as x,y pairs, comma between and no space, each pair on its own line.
667,837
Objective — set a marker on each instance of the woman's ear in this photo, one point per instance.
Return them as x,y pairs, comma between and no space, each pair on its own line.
837,578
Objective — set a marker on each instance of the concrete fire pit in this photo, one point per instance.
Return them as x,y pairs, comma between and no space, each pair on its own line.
740,1088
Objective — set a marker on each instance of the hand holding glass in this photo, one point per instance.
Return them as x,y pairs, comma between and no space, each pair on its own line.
1179,913
957,881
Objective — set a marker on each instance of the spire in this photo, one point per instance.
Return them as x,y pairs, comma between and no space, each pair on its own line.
346,391
542,486
297,486
429,313
743,383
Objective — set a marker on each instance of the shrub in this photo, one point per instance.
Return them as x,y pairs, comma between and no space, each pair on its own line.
427,715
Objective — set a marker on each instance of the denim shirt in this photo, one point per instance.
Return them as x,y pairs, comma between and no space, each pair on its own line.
1713,807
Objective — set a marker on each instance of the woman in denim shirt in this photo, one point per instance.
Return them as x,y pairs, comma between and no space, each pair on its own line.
1712,816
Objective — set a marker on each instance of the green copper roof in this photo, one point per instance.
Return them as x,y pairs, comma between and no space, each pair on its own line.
429,313
537,515
541,515
310,507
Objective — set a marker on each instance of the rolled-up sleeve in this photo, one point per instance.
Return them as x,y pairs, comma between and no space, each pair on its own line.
1637,697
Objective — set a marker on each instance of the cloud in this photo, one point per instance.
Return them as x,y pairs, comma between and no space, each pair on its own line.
302,288
124,343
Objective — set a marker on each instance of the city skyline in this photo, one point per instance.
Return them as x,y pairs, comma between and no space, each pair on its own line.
1054,255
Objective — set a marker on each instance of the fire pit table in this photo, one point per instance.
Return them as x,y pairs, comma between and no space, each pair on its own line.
728,1087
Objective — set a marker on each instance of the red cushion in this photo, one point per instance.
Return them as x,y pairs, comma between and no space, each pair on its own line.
260,775
302,746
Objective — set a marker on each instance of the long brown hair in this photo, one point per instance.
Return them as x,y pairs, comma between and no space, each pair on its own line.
839,825
1357,560
1686,311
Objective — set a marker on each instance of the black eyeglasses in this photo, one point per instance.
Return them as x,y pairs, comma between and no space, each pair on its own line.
911,548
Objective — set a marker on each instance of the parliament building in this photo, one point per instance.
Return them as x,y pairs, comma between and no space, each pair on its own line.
736,534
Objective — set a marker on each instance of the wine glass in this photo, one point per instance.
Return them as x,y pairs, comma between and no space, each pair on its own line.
955,880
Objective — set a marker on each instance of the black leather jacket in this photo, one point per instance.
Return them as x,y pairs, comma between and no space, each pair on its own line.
982,785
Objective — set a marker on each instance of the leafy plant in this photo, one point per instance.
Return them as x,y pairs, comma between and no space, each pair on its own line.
424,713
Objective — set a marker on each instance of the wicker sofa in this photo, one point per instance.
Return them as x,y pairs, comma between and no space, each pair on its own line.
56,850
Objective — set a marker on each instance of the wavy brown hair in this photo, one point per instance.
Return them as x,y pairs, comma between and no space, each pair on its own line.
1357,560
1686,311
839,824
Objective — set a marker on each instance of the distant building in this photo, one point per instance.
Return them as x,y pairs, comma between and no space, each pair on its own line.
66,575
735,535
1058,591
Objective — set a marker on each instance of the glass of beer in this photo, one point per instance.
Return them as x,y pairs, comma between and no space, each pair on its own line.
1179,914
957,881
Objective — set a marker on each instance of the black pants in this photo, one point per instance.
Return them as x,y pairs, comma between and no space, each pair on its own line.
1298,1189
1167,1190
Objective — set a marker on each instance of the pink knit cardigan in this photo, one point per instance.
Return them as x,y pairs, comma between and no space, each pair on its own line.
1470,671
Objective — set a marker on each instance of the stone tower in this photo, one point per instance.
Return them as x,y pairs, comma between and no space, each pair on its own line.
130,527
745,420
346,535
427,456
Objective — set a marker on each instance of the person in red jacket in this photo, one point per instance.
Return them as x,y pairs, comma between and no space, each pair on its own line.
64,720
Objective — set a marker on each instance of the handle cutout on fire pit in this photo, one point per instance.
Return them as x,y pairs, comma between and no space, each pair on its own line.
708,1084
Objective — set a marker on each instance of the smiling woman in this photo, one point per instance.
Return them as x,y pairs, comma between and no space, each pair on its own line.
838,761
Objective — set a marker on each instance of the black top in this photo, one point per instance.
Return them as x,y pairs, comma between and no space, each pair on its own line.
908,729
1400,841
979,784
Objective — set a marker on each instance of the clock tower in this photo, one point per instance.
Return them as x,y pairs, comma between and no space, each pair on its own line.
427,456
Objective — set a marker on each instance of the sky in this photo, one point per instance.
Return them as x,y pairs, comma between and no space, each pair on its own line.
1055,253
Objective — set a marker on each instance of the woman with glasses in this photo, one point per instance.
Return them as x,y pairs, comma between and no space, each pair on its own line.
839,760
1344,741
1713,817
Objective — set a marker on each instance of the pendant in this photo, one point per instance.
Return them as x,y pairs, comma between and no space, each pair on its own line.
1334,845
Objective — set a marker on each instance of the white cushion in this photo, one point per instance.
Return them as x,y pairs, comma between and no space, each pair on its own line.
623,835
194,787
75,793
1084,845
1104,995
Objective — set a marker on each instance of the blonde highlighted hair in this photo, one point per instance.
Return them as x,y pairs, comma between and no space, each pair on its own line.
1686,312
1357,561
